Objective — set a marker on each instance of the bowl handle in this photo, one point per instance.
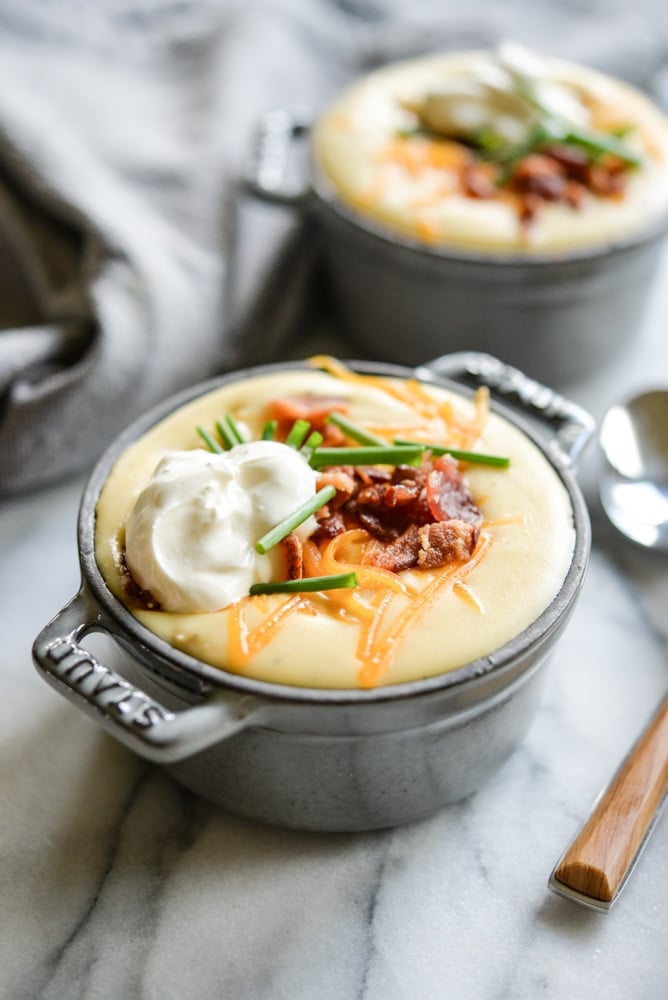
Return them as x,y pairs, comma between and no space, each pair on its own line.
132,716
574,426
267,169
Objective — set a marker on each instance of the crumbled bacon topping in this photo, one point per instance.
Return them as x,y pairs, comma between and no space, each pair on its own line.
294,556
561,173
421,516
417,516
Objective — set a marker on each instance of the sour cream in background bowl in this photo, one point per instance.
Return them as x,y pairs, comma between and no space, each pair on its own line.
498,200
348,709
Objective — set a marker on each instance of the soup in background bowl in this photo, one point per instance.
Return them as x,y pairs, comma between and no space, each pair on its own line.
494,200
497,151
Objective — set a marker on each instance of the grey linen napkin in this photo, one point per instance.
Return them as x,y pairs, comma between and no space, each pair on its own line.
123,130
131,263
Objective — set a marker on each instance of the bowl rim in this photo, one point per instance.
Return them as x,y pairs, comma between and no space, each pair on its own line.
133,634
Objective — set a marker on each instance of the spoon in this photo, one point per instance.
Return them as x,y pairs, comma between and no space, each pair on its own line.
634,493
633,484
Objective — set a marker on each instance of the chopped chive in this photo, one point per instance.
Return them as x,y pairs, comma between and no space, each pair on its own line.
593,141
234,429
269,430
306,584
299,430
313,441
598,143
224,435
386,454
353,431
292,521
475,457
209,441
622,131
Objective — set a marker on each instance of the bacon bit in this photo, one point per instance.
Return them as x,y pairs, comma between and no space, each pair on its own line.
427,547
478,180
342,478
401,494
541,175
137,595
606,180
448,495
446,541
372,474
400,554
294,557
402,512
383,530
329,525
332,435
386,504
574,161
529,207
387,508
315,409
575,192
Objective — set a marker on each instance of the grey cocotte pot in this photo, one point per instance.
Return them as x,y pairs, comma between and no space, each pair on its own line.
556,315
328,760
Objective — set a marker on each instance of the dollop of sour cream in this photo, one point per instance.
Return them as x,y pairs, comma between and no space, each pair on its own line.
496,92
190,536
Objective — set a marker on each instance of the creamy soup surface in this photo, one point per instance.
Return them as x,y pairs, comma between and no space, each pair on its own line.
489,151
434,620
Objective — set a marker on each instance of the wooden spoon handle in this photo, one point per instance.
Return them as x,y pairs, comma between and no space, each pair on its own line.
592,870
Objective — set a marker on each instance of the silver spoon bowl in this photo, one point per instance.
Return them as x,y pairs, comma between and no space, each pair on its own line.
633,483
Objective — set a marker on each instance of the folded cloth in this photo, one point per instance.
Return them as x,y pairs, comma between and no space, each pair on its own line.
122,136
130,263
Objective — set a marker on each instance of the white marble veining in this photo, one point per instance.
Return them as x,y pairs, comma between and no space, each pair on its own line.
117,883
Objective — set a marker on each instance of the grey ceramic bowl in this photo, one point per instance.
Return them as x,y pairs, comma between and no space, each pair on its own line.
557,316
311,758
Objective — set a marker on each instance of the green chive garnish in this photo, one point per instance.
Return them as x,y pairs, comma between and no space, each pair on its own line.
597,142
298,432
305,585
313,441
224,435
351,430
386,454
591,140
228,432
209,441
269,430
292,521
234,429
474,457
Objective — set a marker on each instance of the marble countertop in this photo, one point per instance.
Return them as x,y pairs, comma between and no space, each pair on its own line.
117,883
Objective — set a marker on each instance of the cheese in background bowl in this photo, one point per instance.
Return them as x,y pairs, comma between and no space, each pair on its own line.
497,151
395,626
